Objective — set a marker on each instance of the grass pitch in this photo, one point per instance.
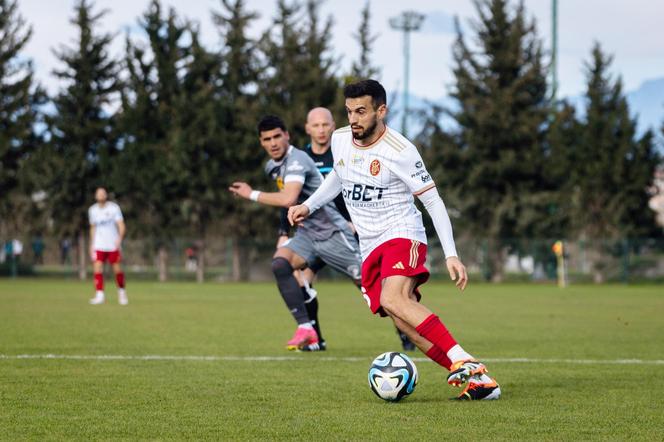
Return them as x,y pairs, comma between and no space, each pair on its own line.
571,384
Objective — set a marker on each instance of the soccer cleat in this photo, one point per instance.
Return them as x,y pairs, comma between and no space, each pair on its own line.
122,297
461,371
97,300
480,388
319,346
303,336
406,343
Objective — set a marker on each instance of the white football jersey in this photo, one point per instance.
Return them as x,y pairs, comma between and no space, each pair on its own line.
378,184
105,219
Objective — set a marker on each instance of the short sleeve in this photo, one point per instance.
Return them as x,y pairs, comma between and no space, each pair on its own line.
117,215
410,169
295,170
91,216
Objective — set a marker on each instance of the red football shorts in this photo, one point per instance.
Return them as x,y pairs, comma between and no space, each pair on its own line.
111,257
398,256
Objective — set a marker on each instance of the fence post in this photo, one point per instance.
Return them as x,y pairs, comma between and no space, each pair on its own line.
625,260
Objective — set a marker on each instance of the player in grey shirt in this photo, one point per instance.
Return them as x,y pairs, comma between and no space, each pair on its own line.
326,236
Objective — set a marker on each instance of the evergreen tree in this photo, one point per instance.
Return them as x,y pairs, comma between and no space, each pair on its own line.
242,155
363,68
18,106
298,71
81,128
612,168
150,171
197,138
500,89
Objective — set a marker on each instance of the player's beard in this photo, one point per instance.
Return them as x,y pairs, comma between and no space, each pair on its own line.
368,132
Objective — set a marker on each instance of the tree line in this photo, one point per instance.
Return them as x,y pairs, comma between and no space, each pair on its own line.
170,123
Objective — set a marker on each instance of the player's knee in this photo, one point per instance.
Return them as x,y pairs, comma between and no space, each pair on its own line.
281,267
392,303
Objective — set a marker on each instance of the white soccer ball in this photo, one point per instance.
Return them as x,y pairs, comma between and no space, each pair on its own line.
392,376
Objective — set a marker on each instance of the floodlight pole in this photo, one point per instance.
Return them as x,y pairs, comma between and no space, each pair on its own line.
407,22
554,50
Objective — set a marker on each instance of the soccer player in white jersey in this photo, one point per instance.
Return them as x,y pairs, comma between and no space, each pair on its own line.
107,229
379,171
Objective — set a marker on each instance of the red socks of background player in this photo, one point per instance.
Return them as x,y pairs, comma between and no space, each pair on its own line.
99,282
436,333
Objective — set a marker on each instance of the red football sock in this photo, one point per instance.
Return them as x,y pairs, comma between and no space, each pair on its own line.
99,281
434,330
119,278
439,357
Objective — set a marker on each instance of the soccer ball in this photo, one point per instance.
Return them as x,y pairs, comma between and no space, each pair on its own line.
392,376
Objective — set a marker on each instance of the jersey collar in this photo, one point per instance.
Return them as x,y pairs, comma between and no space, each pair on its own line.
288,152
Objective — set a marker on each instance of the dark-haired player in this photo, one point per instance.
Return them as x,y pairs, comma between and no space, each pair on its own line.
320,126
325,236
379,172
107,228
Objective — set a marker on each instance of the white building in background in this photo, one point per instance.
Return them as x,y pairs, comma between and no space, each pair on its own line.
656,203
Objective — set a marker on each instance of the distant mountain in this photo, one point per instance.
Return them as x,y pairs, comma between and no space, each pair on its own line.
647,103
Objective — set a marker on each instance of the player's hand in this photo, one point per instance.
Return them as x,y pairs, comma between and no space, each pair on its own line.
297,214
118,244
457,271
241,189
93,255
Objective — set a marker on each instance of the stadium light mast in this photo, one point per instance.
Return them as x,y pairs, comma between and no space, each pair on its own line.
407,22
554,49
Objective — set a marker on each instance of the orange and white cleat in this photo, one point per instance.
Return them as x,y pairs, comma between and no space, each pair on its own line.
461,371
303,336
480,388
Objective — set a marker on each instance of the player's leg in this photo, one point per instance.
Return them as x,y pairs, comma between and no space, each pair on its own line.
115,258
286,259
398,299
98,272
310,297
342,252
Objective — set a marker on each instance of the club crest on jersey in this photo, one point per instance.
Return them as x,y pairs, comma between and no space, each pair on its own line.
280,183
374,167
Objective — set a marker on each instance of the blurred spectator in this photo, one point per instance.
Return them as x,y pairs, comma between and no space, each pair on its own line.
17,249
38,249
192,260
65,247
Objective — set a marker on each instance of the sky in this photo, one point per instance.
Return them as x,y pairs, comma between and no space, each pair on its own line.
628,29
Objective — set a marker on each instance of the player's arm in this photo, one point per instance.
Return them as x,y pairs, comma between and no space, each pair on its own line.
122,229
435,206
286,197
92,242
410,168
324,194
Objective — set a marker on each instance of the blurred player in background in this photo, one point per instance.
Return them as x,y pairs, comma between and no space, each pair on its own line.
325,236
107,229
320,126
379,171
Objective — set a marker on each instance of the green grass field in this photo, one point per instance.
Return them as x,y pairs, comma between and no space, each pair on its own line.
572,387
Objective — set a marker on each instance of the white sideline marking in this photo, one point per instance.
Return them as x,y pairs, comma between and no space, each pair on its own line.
323,358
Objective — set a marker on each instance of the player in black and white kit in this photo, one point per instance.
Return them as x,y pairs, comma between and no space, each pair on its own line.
326,236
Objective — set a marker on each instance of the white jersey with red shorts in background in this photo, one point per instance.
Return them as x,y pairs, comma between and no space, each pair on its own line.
104,219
